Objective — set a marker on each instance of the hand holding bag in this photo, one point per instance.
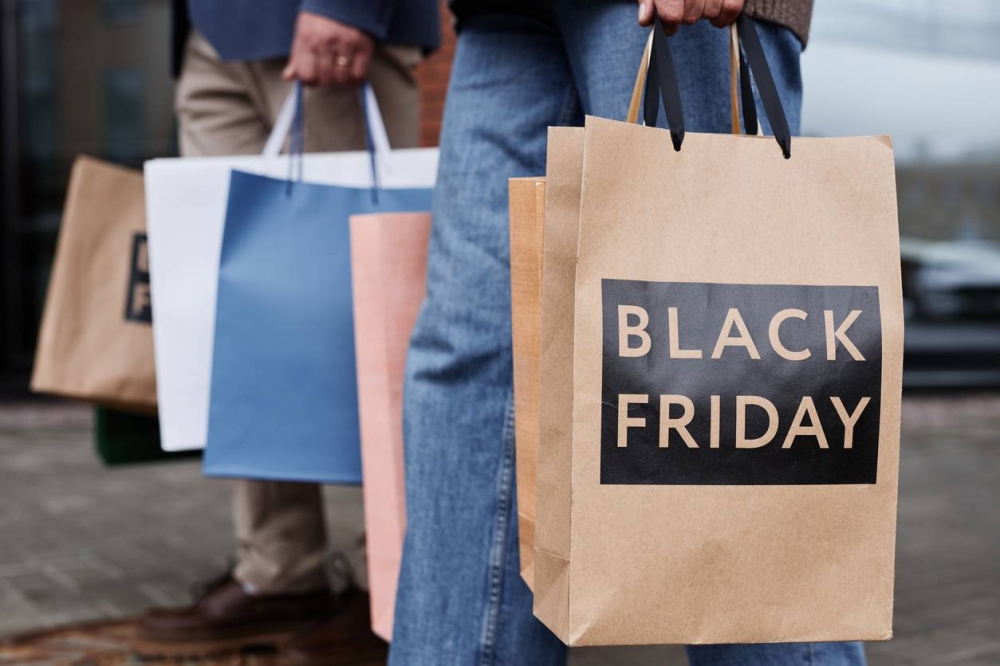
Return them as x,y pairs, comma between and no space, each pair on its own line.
186,201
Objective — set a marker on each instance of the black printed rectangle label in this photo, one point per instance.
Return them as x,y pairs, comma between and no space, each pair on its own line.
138,304
733,384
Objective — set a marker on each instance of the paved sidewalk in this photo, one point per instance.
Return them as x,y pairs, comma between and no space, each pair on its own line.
80,542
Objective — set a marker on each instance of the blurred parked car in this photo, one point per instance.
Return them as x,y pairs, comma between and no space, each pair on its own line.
951,280
951,298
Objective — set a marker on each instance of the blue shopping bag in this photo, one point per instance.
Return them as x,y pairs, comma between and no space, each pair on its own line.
284,400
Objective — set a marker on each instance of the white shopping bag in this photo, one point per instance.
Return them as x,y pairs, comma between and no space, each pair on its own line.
186,210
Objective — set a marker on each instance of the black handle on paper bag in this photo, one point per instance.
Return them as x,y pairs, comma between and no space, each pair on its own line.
662,76
662,79
746,97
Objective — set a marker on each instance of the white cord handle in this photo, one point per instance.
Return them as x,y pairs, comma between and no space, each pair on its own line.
283,123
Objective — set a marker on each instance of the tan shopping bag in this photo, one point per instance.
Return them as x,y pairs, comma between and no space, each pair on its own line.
527,213
96,338
389,276
564,171
737,365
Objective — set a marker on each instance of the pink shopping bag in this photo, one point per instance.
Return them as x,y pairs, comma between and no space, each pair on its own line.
389,267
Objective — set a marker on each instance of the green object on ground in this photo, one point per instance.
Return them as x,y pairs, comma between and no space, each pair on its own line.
123,438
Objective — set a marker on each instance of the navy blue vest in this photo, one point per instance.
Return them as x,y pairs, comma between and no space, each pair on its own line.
246,30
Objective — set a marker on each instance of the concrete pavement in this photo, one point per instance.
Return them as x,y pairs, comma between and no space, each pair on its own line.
80,542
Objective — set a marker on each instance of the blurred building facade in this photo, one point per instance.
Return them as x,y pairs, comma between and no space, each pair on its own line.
927,72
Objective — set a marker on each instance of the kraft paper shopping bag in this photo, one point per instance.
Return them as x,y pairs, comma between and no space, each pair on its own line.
96,339
564,172
389,274
736,362
527,214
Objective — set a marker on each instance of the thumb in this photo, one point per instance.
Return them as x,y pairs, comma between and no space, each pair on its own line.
645,12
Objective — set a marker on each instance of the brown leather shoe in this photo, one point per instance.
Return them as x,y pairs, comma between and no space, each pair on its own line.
227,619
344,640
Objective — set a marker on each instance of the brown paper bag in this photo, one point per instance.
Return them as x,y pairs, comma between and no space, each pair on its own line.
737,363
389,277
564,170
527,213
96,338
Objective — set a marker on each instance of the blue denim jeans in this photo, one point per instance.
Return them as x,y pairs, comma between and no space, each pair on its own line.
461,599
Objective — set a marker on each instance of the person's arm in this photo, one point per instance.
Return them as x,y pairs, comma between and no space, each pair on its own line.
334,40
675,12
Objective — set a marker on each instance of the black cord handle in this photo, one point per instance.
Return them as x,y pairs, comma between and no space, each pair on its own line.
765,83
746,96
662,78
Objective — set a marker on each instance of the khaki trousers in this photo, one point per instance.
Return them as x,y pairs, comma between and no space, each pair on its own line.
228,108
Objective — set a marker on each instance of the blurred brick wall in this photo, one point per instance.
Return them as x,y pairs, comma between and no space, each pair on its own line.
433,77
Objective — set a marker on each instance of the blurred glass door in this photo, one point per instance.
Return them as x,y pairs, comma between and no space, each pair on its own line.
76,76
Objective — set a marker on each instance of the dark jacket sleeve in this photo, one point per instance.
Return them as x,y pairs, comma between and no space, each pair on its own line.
371,16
